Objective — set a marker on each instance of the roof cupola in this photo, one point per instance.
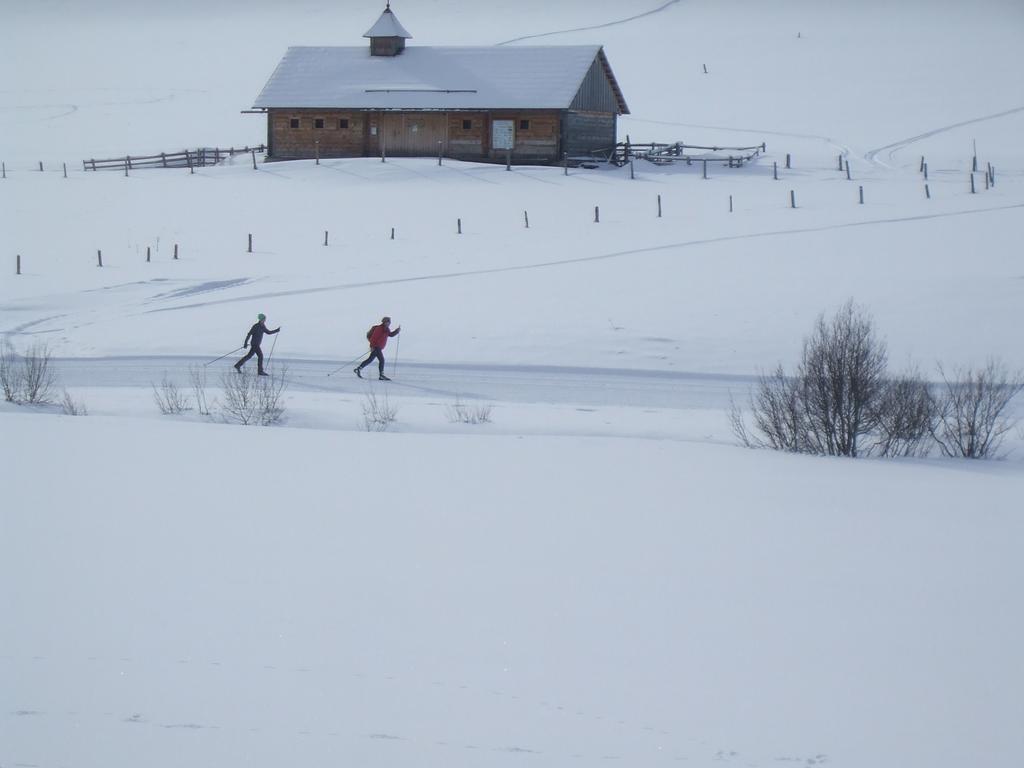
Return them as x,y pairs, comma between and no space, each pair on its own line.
387,36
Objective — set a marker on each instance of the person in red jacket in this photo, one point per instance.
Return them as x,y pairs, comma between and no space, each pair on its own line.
378,337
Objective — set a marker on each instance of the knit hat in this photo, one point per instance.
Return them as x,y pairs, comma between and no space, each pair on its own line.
261,316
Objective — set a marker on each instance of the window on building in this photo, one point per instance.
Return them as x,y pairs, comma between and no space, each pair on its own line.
343,123
294,122
524,125
467,125
318,122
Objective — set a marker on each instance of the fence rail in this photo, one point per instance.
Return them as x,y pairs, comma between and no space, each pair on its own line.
186,158
658,153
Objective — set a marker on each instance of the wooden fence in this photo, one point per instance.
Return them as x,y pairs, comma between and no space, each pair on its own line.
186,158
625,151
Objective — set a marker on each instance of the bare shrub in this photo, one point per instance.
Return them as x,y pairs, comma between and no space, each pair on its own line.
169,398
27,378
904,416
972,410
10,372
378,413
253,400
460,413
831,403
71,407
842,377
197,380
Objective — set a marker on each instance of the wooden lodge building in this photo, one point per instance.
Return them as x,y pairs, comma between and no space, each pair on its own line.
467,102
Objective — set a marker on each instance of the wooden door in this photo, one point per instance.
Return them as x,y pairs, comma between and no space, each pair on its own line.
413,134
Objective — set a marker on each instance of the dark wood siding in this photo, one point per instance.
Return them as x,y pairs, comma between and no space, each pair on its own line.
541,141
587,131
467,143
595,94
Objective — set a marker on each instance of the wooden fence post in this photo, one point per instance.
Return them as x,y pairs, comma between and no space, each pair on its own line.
40,166
921,169
927,192
508,159
459,225
788,161
99,258
325,237
127,164
775,170
925,166
4,166
992,173
792,198
317,143
862,195
705,168
848,170
254,161
440,149
175,251
730,203
973,190
840,162
250,243
659,206
392,233
565,163
18,265
597,215
65,170
526,219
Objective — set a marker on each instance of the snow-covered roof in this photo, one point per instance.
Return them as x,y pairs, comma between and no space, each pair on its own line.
387,25
464,77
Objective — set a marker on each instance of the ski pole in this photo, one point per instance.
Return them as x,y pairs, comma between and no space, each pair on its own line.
398,346
236,349
344,365
274,344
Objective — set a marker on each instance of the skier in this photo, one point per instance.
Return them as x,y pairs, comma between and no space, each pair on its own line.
256,334
378,337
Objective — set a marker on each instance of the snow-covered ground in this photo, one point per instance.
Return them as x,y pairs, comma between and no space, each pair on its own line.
599,573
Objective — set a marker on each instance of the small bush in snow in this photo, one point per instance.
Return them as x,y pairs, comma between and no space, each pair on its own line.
460,413
169,399
27,378
254,400
378,413
71,407
972,410
905,417
197,380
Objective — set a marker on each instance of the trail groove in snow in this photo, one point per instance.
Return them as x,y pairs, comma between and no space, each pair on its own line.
606,24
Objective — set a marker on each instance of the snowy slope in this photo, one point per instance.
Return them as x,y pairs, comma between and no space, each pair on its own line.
599,574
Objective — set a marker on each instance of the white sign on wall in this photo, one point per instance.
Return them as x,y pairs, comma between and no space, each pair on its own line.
503,134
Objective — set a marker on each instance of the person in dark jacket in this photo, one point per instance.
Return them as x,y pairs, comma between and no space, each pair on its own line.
378,337
253,339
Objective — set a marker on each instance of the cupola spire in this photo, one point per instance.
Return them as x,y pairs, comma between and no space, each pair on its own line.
387,36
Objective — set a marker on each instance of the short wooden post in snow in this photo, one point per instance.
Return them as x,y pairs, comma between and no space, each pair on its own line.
775,170
4,167
508,159
65,170
317,143
927,192
392,233
250,243
973,190
147,254
705,168
861,195
127,164
788,160
840,162
730,203
17,267
40,166
705,69
440,149
175,251
99,258
848,170
792,198
254,160
526,219
992,173
565,163
325,237
925,167
921,169
632,175
459,226
659,206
